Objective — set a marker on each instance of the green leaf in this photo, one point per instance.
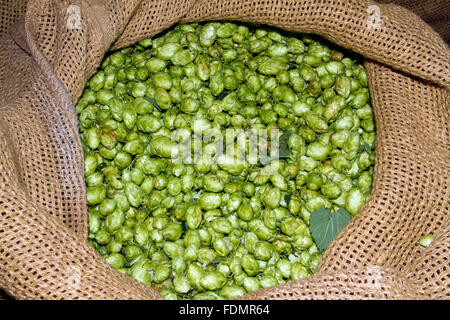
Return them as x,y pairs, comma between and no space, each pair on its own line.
365,147
284,153
326,225
285,136
284,150
287,198
153,101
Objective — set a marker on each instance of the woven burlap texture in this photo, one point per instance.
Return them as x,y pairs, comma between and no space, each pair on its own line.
435,13
45,62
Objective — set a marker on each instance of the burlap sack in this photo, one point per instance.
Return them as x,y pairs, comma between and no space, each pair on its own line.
46,57
436,13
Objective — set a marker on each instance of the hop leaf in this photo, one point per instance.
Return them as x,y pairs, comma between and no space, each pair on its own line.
155,104
326,225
